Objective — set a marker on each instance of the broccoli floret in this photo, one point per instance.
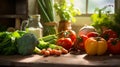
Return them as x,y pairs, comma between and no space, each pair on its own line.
27,43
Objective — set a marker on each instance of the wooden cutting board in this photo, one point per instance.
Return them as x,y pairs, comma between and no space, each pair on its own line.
68,60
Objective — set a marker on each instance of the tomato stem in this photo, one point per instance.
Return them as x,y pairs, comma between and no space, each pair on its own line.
114,41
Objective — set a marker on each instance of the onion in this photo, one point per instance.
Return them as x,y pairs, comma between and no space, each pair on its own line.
86,29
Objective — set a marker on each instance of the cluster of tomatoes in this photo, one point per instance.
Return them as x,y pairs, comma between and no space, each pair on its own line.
91,42
97,44
56,52
67,39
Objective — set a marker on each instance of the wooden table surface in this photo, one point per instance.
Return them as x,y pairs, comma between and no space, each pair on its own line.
68,60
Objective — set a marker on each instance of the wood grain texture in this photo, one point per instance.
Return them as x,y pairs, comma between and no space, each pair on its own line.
68,60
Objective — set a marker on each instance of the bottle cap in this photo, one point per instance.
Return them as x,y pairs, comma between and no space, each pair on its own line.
35,17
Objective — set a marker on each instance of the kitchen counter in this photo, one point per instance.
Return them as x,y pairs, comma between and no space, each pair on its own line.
67,60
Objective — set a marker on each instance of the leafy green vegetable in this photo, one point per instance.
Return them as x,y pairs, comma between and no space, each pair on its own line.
66,11
102,18
117,16
7,43
116,26
21,33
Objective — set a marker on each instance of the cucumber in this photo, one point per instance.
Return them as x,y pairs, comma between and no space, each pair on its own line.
48,38
53,41
46,41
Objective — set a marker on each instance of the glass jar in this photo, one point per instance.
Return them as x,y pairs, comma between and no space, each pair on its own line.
34,26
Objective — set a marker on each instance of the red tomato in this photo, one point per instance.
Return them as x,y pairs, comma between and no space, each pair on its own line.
92,34
70,34
65,42
79,44
109,34
114,45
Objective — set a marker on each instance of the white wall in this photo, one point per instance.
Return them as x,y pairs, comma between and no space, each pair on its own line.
80,22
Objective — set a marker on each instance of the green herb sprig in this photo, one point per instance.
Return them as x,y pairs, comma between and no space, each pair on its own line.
66,11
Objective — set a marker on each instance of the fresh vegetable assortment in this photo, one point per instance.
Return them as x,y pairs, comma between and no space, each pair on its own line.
90,41
48,46
87,40
93,43
24,43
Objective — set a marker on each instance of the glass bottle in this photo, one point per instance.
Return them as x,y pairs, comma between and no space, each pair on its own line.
35,26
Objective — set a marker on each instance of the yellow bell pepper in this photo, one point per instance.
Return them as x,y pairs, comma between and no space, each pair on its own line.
95,46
